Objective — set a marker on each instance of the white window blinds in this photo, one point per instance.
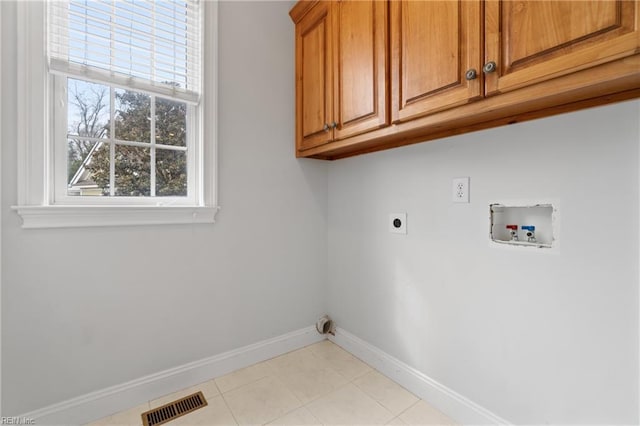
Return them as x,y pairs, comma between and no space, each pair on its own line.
152,46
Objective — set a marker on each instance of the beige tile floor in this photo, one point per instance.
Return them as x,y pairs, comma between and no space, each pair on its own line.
320,384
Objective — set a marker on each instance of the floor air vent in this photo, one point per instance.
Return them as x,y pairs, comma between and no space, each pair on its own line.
174,409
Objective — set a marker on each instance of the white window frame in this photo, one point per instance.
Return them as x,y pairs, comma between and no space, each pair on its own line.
39,205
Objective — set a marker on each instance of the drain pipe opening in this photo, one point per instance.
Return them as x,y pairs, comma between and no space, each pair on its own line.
325,325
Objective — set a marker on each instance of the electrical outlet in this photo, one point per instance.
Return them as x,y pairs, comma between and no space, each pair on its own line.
398,223
460,190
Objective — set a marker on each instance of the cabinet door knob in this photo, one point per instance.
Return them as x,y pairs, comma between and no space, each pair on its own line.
489,67
326,127
334,125
471,74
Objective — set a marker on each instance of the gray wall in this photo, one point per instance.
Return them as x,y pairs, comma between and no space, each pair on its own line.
534,337
84,309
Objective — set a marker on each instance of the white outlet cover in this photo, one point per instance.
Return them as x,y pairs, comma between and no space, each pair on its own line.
460,190
395,227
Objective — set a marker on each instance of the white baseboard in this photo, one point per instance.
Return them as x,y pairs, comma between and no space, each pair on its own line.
101,403
454,405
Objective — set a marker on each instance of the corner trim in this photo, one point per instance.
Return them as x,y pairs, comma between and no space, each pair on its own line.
96,405
451,403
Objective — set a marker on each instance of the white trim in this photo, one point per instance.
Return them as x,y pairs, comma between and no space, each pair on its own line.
99,404
208,152
83,216
454,405
31,85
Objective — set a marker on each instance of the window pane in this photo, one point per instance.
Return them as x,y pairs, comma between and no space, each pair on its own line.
171,122
133,168
132,116
88,168
171,173
88,112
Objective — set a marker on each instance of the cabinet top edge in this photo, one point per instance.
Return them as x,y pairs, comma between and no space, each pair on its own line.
301,8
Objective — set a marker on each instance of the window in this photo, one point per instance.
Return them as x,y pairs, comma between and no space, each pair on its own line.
124,139
116,142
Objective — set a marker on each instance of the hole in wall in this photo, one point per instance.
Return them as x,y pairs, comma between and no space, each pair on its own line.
522,225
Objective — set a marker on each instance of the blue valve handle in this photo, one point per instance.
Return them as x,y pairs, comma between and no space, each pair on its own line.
528,228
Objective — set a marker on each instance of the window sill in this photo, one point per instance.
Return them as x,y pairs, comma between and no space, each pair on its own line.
85,216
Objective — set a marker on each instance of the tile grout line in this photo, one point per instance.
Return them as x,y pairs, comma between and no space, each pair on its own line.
367,394
304,404
380,403
244,384
336,371
323,395
409,407
272,376
371,369
226,404
283,383
358,387
349,381
222,394
291,411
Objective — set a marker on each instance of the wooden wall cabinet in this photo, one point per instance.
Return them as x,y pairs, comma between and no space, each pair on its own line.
433,45
453,67
535,41
341,63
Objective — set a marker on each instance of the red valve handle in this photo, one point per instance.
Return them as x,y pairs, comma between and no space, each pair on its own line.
513,227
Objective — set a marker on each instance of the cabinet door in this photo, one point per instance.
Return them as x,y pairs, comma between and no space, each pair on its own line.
433,44
360,66
313,77
533,41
